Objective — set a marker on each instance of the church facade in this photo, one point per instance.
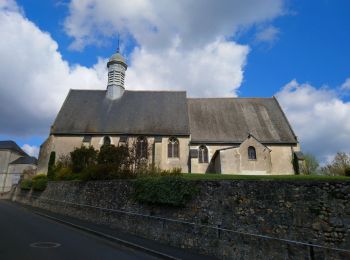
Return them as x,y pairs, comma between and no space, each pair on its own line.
198,135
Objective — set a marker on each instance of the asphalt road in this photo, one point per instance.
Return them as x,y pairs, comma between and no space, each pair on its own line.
21,230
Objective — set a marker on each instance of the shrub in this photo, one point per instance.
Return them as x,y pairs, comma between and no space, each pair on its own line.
110,154
50,168
171,191
66,174
39,182
26,184
82,158
155,171
339,165
106,172
347,171
310,165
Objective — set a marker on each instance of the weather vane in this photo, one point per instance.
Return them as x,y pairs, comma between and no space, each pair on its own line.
118,50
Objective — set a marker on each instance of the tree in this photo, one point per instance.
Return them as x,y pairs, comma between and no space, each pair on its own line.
51,166
110,154
310,165
82,158
340,165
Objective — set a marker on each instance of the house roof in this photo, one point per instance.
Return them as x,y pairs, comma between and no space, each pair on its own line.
136,112
25,160
11,145
230,120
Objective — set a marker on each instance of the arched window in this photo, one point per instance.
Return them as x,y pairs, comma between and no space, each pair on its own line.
173,148
203,154
141,147
106,140
251,153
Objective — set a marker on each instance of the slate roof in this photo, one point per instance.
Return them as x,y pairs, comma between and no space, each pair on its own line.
231,120
208,120
25,160
11,145
136,112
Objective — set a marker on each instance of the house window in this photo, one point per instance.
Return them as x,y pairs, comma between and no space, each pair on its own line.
203,154
106,140
141,147
173,148
251,153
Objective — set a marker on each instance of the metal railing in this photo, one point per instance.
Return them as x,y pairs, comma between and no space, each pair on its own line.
194,224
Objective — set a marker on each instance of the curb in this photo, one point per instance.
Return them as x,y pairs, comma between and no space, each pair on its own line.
111,238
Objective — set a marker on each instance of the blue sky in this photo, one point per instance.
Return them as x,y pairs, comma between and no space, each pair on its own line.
266,47
312,45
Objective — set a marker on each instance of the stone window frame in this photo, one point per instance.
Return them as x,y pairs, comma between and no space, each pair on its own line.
252,153
203,154
173,148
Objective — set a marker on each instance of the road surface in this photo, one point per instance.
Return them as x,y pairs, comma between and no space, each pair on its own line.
25,235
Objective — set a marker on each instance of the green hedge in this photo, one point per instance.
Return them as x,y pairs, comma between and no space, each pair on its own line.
169,190
26,184
39,182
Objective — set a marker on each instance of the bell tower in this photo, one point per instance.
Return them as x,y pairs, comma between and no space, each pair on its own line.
116,74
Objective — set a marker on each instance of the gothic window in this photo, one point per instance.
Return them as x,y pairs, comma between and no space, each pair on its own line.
173,148
251,153
141,147
203,154
106,140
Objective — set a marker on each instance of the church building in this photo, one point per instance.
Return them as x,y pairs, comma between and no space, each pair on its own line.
198,135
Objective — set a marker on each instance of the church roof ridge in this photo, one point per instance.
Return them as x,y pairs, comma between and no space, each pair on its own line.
212,98
103,90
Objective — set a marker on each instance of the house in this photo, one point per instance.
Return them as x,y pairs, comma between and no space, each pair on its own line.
198,135
13,162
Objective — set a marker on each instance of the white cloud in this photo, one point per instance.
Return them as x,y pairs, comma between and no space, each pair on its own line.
320,118
215,70
31,150
34,77
156,24
268,35
180,45
346,85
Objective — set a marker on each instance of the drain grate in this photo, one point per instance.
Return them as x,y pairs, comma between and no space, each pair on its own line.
45,245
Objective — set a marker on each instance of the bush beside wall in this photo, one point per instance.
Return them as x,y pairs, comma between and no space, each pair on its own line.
26,184
168,190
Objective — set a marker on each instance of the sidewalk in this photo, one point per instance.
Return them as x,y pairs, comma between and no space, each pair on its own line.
149,246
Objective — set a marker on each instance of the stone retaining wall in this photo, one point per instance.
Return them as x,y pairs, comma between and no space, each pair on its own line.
267,217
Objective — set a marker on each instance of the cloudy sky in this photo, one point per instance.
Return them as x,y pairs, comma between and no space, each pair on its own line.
296,50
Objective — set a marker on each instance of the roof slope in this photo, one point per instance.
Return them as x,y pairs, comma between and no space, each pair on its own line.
11,145
232,119
136,112
25,160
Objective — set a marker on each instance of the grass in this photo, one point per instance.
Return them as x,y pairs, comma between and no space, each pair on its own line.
208,176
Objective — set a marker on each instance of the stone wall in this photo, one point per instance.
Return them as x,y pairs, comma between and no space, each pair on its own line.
256,219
